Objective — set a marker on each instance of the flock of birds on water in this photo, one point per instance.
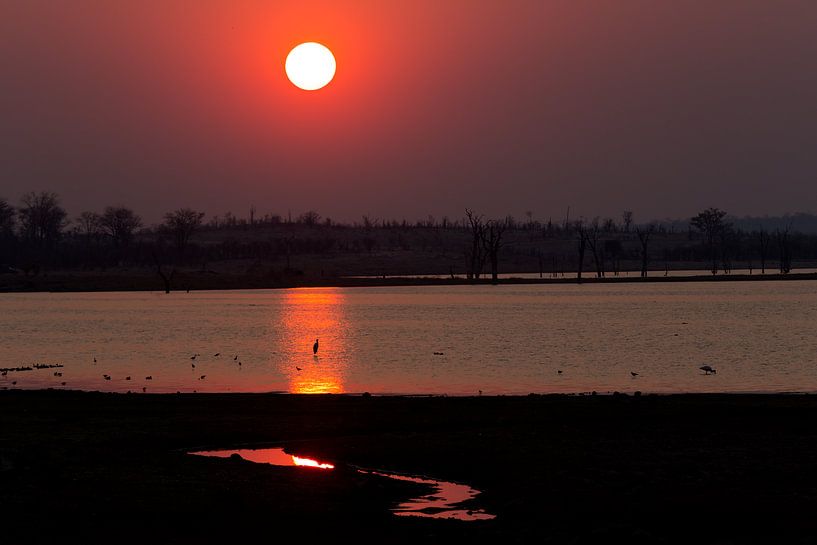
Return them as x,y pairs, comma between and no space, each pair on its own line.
5,370
707,369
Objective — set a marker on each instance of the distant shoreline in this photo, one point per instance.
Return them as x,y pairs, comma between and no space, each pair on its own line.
61,282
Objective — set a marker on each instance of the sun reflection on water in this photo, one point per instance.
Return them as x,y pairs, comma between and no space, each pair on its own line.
315,314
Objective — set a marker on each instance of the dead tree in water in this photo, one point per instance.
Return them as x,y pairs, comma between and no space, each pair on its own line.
164,274
644,239
475,256
784,246
582,239
726,236
764,240
592,237
492,243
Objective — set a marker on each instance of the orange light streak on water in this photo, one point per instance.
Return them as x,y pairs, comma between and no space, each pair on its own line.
310,315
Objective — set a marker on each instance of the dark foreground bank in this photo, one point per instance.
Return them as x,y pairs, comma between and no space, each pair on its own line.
555,469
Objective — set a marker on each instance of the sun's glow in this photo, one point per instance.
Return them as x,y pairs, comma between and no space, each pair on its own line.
298,461
310,66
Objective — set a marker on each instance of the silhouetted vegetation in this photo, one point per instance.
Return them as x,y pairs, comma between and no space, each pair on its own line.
36,239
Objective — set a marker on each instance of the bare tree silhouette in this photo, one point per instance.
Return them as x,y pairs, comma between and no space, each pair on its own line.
581,233
592,237
711,223
88,225
644,239
119,223
763,245
181,224
475,255
784,246
41,217
627,220
492,243
310,218
7,214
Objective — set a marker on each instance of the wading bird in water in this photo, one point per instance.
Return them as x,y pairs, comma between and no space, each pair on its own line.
315,347
708,370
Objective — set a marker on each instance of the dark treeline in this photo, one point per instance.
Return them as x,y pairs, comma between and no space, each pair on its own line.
37,235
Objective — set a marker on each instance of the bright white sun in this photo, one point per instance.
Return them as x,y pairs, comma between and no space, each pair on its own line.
310,66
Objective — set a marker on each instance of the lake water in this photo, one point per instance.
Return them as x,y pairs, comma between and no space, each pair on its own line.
760,336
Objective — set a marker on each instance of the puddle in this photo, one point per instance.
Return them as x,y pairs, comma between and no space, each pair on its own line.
272,456
445,502
440,504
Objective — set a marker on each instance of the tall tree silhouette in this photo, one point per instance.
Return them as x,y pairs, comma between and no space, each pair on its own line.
644,240
492,243
711,223
120,223
41,217
475,254
181,224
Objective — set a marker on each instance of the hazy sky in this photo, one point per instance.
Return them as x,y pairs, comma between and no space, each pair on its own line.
663,107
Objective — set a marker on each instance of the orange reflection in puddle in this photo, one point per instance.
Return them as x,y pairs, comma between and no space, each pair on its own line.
272,456
314,314
445,502
307,462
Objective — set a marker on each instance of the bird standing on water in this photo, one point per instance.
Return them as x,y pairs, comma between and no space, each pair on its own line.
315,347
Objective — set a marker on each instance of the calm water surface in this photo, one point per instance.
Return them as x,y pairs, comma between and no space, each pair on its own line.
760,336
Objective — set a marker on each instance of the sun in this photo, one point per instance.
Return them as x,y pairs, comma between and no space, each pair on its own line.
310,66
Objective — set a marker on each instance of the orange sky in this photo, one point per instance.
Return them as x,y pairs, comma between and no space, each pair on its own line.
502,106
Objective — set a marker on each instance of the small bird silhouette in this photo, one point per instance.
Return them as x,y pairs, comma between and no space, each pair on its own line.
298,368
193,365
239,363
193,357
57,374
235,358
559,371
315,347
217,354
127,377
107,377
708,370
94,360
62,383
634,374
144,389
149,377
